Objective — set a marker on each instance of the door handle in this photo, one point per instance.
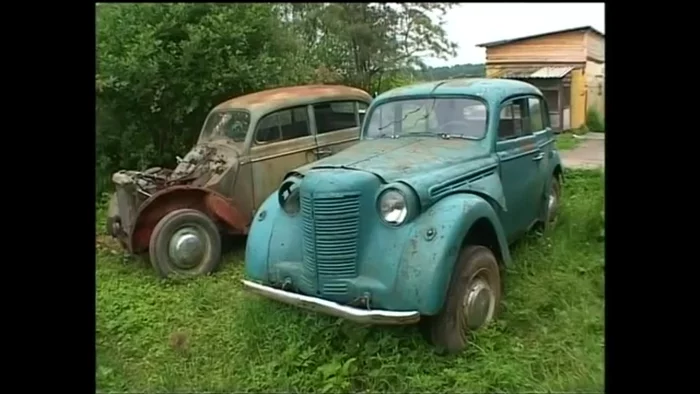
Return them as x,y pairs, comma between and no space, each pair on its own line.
539,157
323,152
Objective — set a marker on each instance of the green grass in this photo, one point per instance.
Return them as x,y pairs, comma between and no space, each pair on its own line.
207,335
566,141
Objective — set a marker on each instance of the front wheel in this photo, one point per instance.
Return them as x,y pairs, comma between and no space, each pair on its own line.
113,224
185,242
472,300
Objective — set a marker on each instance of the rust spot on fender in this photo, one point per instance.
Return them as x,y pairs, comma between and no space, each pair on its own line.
223,209
182,197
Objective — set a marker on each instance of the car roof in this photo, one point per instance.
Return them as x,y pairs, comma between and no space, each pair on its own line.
490,89
291,96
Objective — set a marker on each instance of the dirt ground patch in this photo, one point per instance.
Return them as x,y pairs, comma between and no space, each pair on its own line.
590,153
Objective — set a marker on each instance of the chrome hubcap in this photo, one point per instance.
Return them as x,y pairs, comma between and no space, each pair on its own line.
116,228
479,304
552,200
187,247
551,203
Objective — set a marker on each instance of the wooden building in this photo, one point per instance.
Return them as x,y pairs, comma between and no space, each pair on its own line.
568,66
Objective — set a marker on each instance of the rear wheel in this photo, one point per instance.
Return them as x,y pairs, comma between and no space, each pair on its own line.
553,200
185,242
472,300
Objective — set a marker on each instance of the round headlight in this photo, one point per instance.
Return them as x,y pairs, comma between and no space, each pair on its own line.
288,196
392,207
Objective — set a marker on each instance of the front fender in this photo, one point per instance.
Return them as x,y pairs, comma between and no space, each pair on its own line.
428,259
167,200
554,163
257,249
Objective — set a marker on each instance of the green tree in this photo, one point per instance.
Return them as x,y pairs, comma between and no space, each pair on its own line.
162,67
362,42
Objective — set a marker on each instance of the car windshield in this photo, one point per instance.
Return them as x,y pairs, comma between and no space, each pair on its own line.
443,117
231,124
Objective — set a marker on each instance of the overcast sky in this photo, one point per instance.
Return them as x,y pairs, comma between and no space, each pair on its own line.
470,24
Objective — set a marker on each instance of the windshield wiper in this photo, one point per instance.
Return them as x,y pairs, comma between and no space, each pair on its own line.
420,134
446,136
386,135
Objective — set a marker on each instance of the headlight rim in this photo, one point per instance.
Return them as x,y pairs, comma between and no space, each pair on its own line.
293,184
411,201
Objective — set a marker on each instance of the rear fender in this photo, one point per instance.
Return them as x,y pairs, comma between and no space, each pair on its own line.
215,205
557,171
428,259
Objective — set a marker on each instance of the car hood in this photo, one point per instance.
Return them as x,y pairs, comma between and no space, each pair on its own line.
420,162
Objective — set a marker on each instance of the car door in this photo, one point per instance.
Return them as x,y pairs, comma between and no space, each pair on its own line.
282,141
337,125
519,163
544,141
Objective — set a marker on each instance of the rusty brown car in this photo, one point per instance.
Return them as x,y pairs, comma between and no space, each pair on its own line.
247,144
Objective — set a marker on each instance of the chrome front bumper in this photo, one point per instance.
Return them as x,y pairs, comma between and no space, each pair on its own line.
357,315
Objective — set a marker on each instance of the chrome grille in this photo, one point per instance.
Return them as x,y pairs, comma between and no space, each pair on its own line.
331,228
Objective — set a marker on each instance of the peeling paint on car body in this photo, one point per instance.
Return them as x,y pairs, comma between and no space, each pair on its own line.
218,176
336,246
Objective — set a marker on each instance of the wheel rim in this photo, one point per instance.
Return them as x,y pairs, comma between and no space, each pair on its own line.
552,202
187,247
479,302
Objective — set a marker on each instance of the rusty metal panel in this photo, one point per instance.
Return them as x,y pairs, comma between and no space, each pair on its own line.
274,99
271,162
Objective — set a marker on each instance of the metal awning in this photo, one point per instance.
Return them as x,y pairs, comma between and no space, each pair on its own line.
534,73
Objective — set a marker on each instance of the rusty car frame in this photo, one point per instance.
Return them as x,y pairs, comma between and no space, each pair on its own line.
247,144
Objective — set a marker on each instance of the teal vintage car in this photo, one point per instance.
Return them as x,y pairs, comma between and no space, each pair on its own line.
414,222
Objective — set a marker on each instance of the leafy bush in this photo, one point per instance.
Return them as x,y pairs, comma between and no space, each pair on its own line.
595,121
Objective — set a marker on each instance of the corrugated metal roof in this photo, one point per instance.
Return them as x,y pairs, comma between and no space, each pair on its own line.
551,72
535,73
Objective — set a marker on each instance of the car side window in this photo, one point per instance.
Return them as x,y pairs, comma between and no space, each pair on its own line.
336,115
283,125
513,121
538,114
362,109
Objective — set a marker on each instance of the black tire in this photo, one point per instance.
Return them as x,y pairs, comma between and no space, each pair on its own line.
449,329
112,219
194,222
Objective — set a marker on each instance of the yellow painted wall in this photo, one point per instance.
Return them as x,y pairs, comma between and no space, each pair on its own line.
595,86
578,98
